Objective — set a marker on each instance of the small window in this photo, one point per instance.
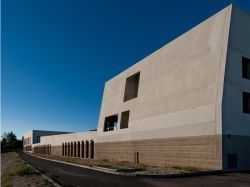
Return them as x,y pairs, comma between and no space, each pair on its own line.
246,102
245,68
110,123
124,120
131,87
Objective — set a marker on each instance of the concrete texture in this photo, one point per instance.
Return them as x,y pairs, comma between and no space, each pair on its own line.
177,82
198,151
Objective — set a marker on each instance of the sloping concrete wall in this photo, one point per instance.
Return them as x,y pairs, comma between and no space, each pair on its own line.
236,124
180,88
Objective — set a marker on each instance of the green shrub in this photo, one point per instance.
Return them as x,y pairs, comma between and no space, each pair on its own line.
25,169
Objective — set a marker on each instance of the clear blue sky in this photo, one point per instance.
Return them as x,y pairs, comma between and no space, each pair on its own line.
57,54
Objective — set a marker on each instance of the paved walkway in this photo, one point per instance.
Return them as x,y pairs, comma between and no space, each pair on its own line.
68,175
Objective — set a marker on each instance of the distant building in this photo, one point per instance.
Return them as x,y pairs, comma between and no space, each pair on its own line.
33,137
186,104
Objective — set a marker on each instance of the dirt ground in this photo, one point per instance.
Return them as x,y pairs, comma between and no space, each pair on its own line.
143,169
10,165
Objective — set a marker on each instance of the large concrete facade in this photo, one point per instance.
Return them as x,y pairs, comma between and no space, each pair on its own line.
188,107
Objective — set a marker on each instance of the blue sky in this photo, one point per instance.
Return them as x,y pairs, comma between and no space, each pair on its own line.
57,54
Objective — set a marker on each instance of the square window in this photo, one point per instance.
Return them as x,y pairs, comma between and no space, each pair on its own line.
131,87
110,123
246,102
245,68
124,120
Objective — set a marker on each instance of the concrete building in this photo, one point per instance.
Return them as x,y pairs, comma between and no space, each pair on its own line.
33,138
186,104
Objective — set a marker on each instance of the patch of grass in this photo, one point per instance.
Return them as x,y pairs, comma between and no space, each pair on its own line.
6,180
25,169
142,167
186,168
45,183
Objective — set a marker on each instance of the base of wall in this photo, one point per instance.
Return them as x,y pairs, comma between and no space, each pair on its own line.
198,151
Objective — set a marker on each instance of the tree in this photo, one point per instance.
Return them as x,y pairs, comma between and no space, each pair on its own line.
3,142
9,140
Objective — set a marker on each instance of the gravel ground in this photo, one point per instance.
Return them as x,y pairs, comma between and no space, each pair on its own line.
10,164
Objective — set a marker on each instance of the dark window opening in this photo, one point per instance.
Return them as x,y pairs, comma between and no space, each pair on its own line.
74,149
245,68
71,149
110,123
87,149
246,102
63,149
136,157
232,161
124,120
66,149
38,139
82,149
92,149
131,87
78,149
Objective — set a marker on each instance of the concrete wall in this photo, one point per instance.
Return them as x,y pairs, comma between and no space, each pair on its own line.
41,133
236,124
180,88
179,101
53,144
197,151
57,140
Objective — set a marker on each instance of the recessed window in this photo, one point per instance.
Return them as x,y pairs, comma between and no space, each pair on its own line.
131,87
124,120
110,123
246,102
38,139
245,68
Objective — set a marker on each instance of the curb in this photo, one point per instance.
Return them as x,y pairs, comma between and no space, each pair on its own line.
96,168
179,175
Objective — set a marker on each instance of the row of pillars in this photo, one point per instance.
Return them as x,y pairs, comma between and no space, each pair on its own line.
81,149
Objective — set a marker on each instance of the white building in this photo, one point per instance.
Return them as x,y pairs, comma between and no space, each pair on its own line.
186,104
